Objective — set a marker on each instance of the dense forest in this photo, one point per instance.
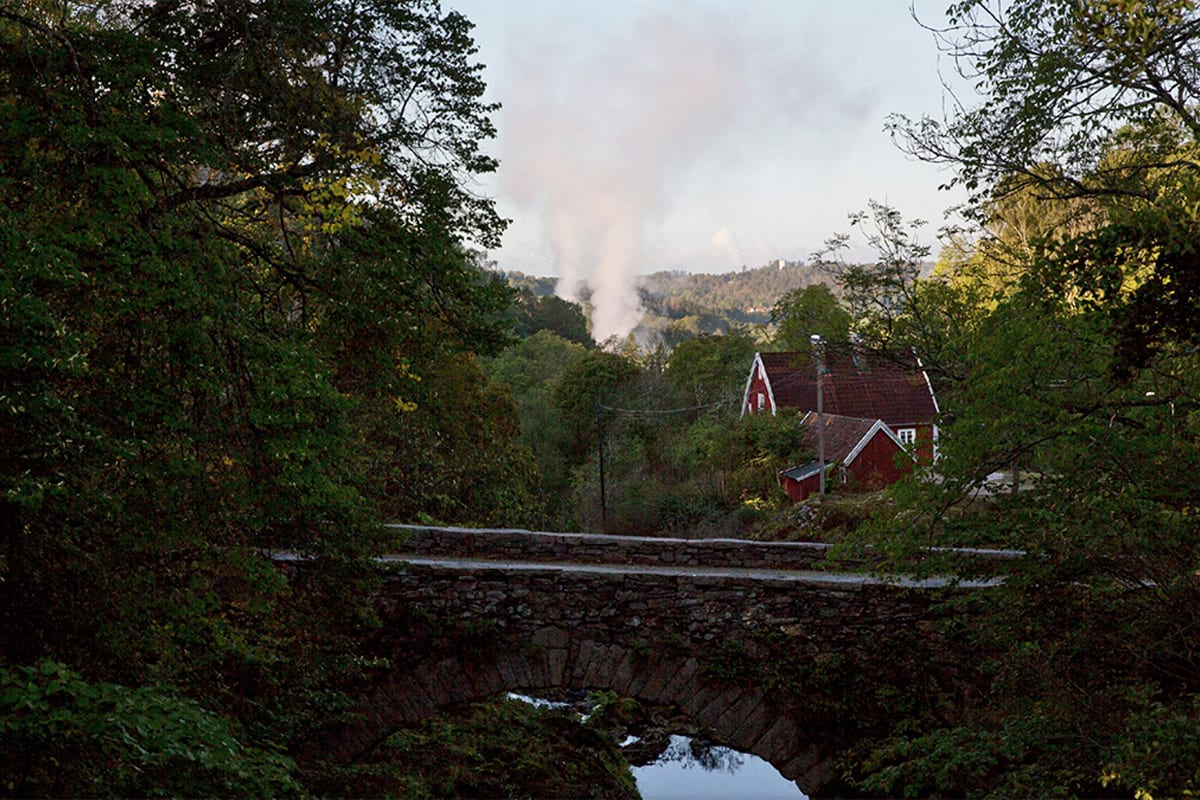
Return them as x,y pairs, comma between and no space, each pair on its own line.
241,315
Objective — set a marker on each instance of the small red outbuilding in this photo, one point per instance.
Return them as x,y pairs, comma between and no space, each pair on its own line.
863,453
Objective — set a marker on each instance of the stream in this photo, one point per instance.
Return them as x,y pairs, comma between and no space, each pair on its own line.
707,772
691,769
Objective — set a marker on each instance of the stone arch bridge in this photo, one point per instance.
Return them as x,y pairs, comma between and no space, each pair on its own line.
750,641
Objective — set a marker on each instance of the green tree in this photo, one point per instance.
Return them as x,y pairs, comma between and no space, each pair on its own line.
551,313
121,740
711,369
1078,367
584,388
1098,92
801,313
233,237
531,368
896,306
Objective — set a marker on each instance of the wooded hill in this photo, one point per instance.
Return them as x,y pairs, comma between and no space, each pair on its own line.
680,305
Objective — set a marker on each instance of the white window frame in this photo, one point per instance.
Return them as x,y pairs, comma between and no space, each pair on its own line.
907,436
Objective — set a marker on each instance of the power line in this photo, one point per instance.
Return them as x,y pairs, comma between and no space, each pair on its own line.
663,411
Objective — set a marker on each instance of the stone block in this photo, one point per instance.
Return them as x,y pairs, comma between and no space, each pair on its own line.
416,684
552,636
440,688
640,672
703,694
680,685
556,667
524,671
813,779
804,763
623,673
602,668
496,683
781,743
420,699
508,675
659,673
756,725
535,660
725,711
474,678
399,704
586,653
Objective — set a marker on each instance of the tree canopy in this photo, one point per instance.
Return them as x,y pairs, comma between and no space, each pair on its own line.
1068,369
803,313
235,280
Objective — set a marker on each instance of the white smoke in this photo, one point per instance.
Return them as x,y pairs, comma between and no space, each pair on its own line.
597,140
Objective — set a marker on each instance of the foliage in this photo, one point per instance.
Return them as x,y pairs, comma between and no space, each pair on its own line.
550,313
803,313
672,467
501,748
1075,373
1057,80
435,467
880,295
681,306
531,368
712,369
236,279
584,387
740,298
1085,106
65,737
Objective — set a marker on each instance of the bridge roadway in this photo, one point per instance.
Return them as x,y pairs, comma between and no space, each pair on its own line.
516,545
802,576
753,642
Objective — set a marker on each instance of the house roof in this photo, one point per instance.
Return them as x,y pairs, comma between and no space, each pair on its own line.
856,383
845,437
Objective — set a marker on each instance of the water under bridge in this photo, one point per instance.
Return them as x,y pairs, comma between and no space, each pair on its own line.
756,643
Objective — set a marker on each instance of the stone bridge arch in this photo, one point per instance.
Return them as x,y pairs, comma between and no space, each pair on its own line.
465,631
736,715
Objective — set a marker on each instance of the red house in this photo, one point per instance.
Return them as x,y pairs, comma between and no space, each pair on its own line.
863,453
854,383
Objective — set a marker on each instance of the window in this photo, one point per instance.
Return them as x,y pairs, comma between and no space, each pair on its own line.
907,436
762,401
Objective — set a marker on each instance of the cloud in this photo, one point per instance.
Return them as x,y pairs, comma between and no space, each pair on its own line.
725,243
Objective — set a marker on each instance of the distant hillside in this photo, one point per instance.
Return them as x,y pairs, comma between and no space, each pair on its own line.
747,295
681,305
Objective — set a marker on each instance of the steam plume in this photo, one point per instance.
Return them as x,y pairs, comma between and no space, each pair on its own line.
597,141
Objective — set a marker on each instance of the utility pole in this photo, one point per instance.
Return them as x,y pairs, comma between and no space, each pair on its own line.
819,365
600,448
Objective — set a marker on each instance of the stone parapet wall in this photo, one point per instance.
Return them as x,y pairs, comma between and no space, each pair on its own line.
692,611
511,544
594,548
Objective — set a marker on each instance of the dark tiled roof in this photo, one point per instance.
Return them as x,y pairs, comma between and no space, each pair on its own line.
856,384
842,435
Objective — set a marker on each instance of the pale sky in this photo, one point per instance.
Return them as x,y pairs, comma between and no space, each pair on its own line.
701,135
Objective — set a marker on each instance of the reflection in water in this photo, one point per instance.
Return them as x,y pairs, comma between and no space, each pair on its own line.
699,753
691,768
